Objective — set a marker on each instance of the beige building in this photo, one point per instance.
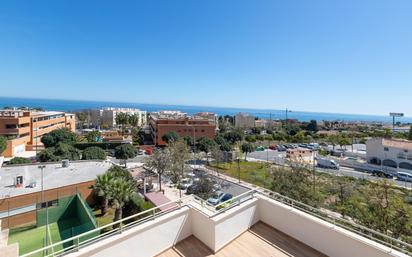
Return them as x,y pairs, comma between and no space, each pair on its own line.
107,116
300,155
244,120
24,129
391,155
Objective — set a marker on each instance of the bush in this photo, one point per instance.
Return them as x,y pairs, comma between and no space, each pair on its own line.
47,155
93,153
65,151
59,136
19,160
103,145
125,151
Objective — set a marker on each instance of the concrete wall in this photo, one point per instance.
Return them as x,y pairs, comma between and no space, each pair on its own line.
25,200
203,228
234,222
148,239
320,235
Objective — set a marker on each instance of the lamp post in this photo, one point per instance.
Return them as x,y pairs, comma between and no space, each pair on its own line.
238,167
42,167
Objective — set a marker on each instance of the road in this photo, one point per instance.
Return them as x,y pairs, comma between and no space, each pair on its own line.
278,158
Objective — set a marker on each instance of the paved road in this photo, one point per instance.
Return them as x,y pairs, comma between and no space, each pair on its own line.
278,157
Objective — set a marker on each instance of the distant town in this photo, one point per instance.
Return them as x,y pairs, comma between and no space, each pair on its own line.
81,171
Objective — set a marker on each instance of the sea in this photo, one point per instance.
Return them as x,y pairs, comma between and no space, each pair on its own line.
76,105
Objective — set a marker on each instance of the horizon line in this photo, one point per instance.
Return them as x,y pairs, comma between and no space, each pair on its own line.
201,106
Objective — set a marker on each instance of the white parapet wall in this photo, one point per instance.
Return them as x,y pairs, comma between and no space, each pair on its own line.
155,236
148,239
318,234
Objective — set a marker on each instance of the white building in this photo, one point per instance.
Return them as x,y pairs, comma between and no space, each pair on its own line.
244,120
392,155
107,116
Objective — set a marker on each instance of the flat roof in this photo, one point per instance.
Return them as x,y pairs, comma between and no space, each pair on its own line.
54,176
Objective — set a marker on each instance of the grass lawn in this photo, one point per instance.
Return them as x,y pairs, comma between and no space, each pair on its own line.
252,172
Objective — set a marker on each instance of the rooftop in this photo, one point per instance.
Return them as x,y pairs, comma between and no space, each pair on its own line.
54,176
397,143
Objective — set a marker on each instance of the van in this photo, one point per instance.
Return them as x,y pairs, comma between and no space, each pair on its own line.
403,176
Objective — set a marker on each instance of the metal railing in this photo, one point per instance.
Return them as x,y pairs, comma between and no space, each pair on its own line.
117,227
349,225
76,242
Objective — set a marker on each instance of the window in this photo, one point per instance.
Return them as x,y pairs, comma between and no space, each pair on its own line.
11,126
203,130
47,204
386,149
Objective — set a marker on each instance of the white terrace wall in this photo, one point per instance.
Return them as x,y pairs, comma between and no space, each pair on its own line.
148,239
320,235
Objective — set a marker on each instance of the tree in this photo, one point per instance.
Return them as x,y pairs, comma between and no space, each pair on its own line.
159,162
19,160
170,137
124,152
134,120
233,136
3,144
294,183
410,133
93,153
81,117
103,189
247,148
312,126
179,155
122,119
188,140
205,144
66,151
47,155
122,191
93,136
57,136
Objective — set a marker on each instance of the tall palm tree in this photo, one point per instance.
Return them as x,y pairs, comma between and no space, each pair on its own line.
103,187
122,191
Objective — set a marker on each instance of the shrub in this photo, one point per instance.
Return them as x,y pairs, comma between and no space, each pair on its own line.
93,153
19,160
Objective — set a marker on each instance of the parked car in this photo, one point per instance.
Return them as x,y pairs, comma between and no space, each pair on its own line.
382,174
185,183
403,176
260,149
273,147
327,163
219,197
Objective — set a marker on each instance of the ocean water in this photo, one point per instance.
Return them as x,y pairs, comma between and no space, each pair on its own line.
73,105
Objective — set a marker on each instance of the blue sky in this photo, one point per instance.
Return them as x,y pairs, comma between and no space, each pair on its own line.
327,56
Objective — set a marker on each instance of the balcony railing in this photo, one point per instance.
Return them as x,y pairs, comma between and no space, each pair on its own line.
77,242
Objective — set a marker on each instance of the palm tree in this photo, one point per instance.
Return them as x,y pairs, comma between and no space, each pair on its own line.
122,191
103,186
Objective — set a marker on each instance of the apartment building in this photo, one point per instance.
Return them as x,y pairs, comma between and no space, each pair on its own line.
107,116
392,155
196,126
24,129
244,120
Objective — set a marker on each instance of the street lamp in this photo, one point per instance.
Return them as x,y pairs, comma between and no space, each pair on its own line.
42,167
238,167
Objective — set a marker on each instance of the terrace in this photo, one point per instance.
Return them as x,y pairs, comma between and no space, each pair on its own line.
256,223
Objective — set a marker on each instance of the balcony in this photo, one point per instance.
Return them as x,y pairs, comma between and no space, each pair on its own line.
256,223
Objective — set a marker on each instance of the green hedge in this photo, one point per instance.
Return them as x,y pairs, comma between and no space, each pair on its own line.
103,145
